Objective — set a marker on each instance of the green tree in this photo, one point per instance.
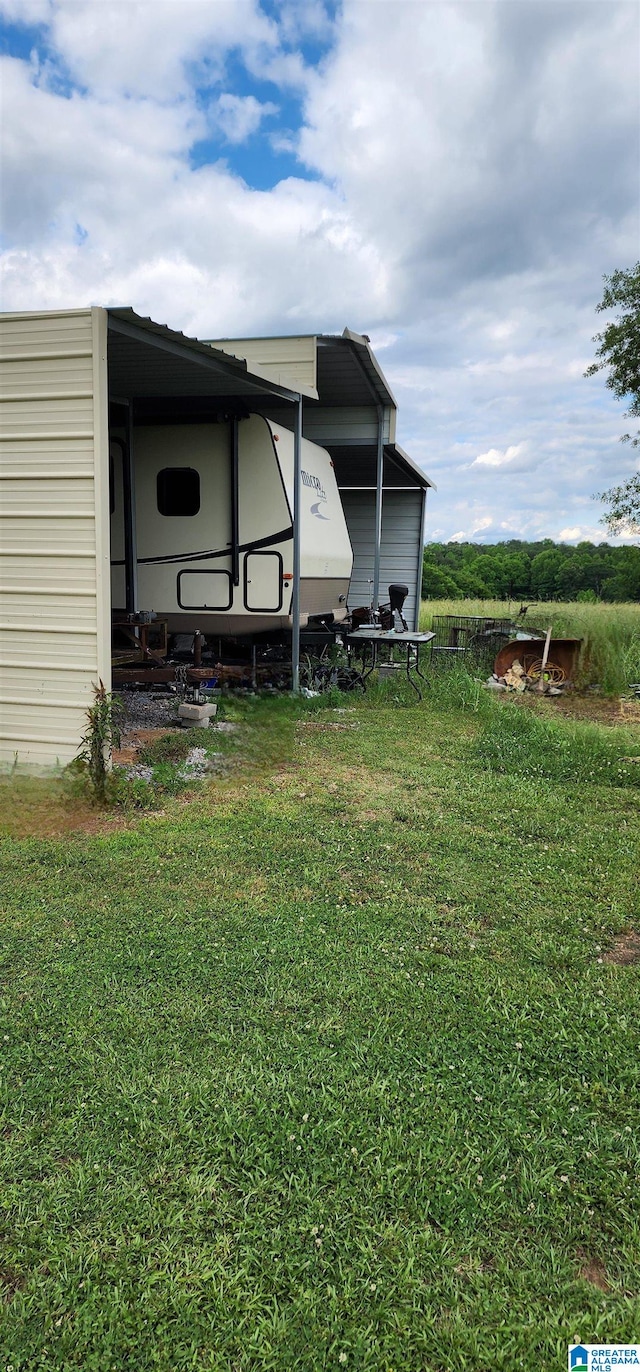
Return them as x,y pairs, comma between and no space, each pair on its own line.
625,583
623,515
438,584
545,573
618,353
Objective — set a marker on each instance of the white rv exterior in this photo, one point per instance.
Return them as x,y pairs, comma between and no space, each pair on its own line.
185,528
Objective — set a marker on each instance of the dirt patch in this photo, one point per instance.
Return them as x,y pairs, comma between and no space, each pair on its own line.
10,1283
42,807
594,709
592,1270
473,1267
132,743
625,951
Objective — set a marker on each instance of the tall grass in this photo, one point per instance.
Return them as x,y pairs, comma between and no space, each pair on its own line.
610,634
518,742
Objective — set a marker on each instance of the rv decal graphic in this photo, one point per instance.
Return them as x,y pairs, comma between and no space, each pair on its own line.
282,536
315,510
315,483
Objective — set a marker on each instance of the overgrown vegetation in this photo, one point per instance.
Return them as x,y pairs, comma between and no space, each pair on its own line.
330,1066
176,762
104,724
611,634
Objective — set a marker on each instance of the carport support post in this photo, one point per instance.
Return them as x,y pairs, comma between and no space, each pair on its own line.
130,541
379,476
297,519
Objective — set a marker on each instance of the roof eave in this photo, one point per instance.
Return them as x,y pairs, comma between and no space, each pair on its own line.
413,466
125,320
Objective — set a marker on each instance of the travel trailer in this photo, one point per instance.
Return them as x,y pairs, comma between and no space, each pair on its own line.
222,519
214,527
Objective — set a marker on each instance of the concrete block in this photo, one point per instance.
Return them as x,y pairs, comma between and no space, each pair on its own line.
196,716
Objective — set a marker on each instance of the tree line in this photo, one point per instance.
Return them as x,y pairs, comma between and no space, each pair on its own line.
517,570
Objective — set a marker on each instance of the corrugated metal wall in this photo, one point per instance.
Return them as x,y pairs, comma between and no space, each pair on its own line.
337,425
54,534
401,544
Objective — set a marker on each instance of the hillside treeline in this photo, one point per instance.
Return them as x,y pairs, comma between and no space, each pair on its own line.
530,571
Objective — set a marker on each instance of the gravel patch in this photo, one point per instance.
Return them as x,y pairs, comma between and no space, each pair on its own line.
139,772
149,709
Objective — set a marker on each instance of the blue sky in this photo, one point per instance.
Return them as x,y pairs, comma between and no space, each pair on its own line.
453,179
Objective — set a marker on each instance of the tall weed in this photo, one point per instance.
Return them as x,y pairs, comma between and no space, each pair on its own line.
453,688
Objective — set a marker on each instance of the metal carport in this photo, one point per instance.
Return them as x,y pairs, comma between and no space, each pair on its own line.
350,409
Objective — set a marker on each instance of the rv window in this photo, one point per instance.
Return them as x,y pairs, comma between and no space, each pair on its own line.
178,491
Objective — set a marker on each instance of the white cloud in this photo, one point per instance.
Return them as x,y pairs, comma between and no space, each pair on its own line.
478,175
572,535
300,19
138,49
240,116
25,11
497,457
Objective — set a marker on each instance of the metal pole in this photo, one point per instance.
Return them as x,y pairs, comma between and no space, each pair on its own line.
297,518
379,477
235,508
423,513
130,532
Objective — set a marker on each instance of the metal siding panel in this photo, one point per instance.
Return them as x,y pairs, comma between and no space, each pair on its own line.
401,531
341,425
34,722
47,334
46,418
359,510
46,611
52,686
54,535
40,457
49,622
99,336
64,376
28,499
39,575
36,647
39,756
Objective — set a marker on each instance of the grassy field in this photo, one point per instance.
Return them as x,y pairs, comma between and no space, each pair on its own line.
610,633
334,1064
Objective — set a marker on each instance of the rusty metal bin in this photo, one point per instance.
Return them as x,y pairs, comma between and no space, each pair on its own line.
562,663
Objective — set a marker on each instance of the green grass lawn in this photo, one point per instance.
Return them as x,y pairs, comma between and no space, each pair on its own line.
328,1066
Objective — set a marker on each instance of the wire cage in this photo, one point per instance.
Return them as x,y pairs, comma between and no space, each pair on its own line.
470,640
